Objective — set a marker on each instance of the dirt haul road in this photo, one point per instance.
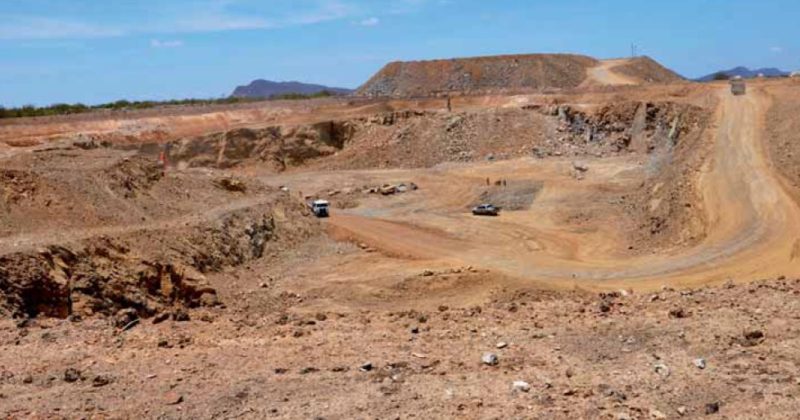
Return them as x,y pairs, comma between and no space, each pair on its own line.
604,74
752,225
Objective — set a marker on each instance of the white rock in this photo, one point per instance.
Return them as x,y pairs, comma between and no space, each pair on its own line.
521,386
502,345
580,166
700,363
490,359
662,369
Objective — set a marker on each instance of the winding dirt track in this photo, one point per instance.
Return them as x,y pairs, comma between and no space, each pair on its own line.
604,74
752,226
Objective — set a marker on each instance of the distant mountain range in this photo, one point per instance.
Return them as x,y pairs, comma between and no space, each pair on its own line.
267,89
745,73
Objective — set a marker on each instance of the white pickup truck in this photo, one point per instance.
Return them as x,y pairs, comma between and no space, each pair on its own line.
320,208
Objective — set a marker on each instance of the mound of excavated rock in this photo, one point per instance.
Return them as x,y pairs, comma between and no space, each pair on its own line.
478,74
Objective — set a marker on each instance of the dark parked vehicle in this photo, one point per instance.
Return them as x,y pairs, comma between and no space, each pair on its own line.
485,210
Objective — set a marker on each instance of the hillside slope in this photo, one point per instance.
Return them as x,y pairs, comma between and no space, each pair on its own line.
646,70
532,71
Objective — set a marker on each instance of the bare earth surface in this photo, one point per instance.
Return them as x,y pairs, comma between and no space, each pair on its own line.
645,264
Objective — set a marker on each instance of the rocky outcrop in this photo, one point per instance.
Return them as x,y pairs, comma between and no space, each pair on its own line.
99,278
279,147
132,175
622,127
146,272
16,186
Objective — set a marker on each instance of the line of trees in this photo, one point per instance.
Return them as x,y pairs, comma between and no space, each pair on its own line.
68,109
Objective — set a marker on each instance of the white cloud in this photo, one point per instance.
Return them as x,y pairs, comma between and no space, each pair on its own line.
373,21
157,43
34,27
168,18
776,50
158,18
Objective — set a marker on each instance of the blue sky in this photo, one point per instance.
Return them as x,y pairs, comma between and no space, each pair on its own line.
95,51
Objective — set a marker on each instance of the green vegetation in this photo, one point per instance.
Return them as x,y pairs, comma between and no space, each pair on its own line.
67,109
297,96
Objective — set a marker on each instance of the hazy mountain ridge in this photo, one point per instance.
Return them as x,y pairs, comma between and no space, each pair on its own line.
745,73
261,88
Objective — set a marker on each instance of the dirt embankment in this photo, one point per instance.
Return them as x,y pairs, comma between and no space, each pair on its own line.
150,125
52,191
143,272
410,139
664,210
783,135
423,138
494,73
646,70
96,231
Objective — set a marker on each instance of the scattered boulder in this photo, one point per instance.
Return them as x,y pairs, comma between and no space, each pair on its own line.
662,370
160,317
700,363
231,184
101,380
366,367
712,408
580,166
124,318
490,359
209,299
678,313
72,375
172,398
752,338
179,315
521,386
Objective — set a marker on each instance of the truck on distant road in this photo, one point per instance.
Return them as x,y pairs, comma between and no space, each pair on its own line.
485,210
738,86
320,208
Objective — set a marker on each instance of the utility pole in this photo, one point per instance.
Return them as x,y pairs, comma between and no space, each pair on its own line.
634,50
